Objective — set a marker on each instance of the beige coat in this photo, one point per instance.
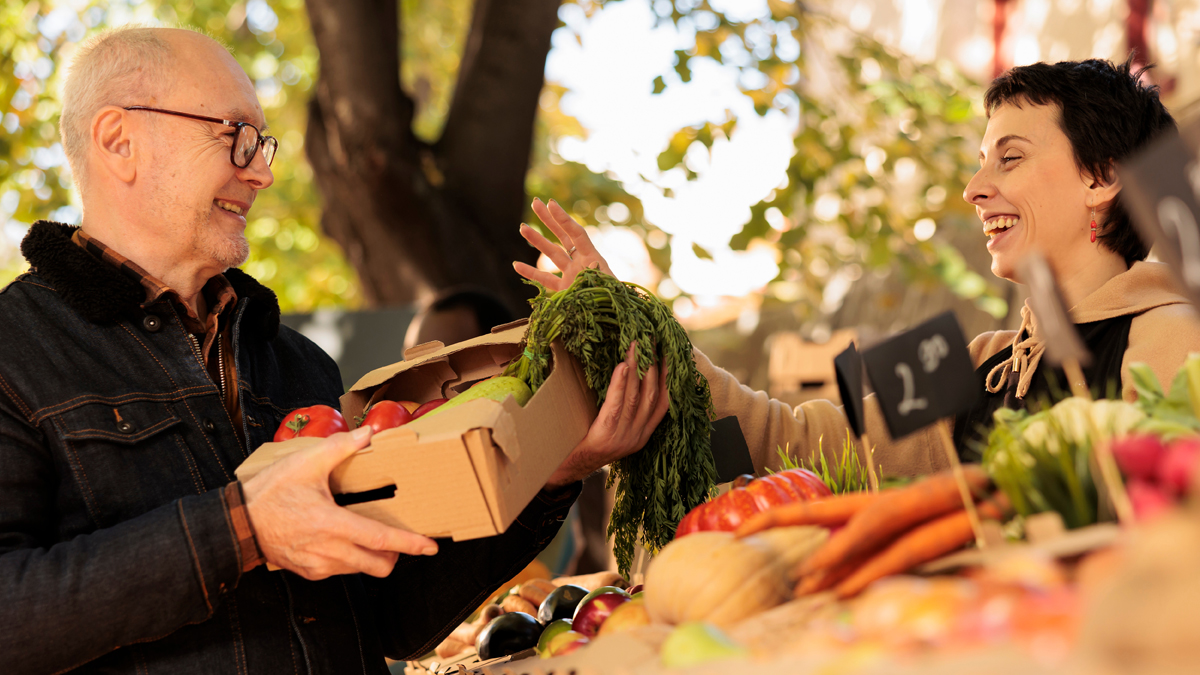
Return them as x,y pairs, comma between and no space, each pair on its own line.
1163,331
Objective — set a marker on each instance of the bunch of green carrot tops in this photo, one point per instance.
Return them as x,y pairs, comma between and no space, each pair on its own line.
597,318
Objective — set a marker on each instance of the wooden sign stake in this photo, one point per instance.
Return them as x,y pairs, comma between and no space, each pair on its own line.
1110,476
943,428
1075,379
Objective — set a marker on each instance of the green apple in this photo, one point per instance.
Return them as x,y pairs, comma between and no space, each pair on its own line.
551,631
698,642
564,643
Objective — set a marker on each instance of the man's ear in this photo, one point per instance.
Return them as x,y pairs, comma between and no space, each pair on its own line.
112,143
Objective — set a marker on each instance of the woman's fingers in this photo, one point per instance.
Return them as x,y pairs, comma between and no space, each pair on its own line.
633,394
649,399
662,405
609,417
546,215
553,251
574,232
547,279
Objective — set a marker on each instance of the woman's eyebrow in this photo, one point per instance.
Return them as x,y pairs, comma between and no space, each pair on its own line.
1006,139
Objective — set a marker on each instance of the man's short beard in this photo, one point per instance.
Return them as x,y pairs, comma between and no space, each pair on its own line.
230,251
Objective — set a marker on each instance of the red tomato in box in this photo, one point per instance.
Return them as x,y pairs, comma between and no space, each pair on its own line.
751,495
318,421
386,415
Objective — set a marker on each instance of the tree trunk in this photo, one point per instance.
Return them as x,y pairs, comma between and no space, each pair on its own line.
415,217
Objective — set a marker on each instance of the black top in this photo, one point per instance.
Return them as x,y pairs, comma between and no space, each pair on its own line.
1106,340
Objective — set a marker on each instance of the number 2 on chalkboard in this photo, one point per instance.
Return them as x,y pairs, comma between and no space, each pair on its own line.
908,403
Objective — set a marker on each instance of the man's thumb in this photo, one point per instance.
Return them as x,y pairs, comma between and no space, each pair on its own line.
339,447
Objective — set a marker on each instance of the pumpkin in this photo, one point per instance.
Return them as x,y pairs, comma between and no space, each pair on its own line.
748,496
716,577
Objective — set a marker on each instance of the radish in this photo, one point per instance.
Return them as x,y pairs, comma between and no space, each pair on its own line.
1149,500
1178,464
1138,455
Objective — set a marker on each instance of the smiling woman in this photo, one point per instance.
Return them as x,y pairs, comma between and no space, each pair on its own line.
1046,183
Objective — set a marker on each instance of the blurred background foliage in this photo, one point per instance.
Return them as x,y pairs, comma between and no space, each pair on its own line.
883,149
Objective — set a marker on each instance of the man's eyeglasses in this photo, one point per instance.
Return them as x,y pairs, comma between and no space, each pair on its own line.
246,140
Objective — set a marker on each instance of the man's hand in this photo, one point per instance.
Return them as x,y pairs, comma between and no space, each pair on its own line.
576,253
301,529
631,412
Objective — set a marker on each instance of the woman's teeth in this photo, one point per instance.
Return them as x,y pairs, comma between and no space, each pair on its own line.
998,224
232,208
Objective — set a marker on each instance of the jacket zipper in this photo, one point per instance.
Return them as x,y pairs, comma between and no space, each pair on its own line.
220,360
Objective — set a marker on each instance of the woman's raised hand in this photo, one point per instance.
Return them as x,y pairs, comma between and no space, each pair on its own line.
575,254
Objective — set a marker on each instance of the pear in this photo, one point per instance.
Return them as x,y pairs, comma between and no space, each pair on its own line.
697,642
496,388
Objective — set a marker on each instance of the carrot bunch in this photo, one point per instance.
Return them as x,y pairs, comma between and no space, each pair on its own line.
884,533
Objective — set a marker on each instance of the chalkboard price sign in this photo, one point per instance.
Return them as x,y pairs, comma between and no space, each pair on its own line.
922,375
849,370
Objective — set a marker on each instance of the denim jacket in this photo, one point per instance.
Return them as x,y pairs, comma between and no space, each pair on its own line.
116,550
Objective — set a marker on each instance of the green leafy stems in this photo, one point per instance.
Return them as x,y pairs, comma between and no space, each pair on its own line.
846,474
597,318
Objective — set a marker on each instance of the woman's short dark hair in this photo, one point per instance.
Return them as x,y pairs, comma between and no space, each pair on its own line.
1106,113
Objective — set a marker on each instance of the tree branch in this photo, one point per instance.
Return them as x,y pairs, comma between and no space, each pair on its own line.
484,150
360,52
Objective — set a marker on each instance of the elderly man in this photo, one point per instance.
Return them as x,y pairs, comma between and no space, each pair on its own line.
138,369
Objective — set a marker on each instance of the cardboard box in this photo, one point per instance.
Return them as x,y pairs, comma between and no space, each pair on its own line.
468,472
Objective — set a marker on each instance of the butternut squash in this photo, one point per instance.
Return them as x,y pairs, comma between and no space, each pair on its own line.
714,576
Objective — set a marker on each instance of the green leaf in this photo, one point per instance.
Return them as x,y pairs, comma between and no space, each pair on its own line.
701,253
659,85
1145,382
681,65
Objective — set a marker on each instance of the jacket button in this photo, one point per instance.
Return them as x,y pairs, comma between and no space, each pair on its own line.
209,426
126,427
151,323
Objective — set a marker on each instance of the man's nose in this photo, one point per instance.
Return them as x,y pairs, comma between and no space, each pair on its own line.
257,174
979,189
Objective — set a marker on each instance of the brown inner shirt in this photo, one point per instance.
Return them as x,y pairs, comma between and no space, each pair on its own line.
211,337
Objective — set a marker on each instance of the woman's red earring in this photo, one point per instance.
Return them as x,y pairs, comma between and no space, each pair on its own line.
1093,226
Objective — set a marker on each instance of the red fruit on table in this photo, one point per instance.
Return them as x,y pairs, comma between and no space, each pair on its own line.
590,615
1149,500
807,483
768,494
690,522
749,495
1139,455
732,508
318,421
427,406
386,415
1178,464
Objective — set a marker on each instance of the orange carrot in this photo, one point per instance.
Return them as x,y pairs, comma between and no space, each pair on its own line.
825,579
927,542
829,512
892,513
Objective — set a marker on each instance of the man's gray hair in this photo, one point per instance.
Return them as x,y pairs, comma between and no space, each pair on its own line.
122,67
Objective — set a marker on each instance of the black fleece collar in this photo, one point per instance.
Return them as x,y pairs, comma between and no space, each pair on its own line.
102,294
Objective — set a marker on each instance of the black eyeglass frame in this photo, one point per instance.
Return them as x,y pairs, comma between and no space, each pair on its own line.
263,139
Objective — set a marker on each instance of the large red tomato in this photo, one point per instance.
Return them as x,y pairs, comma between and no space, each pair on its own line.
750,495
317,421
386,415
